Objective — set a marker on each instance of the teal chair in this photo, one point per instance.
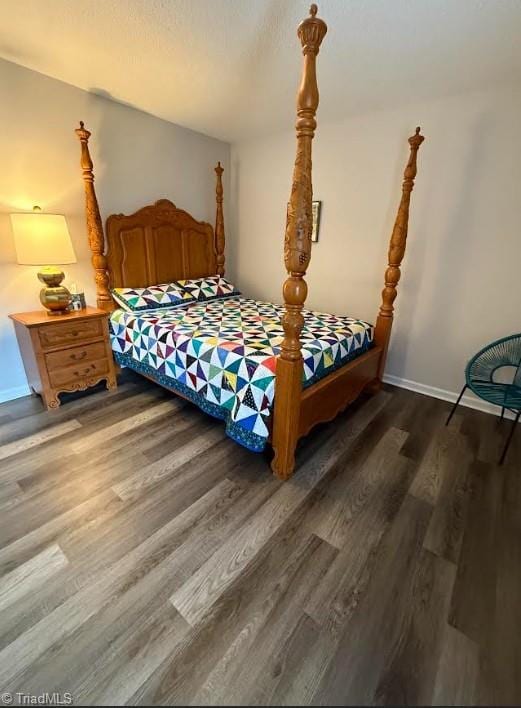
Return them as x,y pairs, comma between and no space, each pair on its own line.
480,376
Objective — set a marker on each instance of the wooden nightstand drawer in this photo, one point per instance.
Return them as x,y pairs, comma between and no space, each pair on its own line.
75,356
78,372
66,333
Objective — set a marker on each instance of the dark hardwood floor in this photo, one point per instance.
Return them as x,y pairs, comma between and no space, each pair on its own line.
147,559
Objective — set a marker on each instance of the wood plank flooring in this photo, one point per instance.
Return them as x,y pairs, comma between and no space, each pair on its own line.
145,558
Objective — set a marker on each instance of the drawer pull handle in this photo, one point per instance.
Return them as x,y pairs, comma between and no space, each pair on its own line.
85,371
79,357
74,332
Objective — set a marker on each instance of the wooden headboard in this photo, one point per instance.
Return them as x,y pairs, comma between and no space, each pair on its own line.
157,244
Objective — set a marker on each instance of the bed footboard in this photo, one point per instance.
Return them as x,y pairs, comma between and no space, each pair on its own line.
324,400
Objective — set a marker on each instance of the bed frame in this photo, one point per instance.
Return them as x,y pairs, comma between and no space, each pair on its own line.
161,243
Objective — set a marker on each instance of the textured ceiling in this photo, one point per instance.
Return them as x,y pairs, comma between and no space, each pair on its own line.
230,68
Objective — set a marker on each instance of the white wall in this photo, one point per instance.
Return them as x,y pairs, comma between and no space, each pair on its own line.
461,283
137,159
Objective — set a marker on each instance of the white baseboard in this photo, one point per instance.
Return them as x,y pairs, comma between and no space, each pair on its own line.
470,401
9,394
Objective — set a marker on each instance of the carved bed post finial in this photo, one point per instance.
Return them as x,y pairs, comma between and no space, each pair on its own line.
219,220
396,252
94,225
297,253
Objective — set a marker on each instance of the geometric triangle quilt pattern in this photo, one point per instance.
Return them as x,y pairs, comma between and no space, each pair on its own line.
209,288
155,296
223,354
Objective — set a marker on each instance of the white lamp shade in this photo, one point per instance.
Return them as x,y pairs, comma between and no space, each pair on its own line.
42,239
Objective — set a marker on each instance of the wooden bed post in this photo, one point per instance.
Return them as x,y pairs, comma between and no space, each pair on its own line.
297,254
94,225
219,221
397,246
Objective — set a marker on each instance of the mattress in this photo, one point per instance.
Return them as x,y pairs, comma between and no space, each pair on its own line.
222,355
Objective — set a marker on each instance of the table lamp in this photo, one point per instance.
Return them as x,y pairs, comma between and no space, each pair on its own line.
44,238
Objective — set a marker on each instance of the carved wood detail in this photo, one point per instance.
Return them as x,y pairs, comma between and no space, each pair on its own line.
94,225
297,254
158,244
397,247
219,220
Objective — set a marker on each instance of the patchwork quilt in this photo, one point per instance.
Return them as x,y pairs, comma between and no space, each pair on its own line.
212,287
155,296
222,355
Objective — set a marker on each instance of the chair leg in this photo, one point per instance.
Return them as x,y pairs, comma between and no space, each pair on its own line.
502,413
456,405
509,440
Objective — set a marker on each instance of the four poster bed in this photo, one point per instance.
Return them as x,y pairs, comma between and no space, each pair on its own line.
271,371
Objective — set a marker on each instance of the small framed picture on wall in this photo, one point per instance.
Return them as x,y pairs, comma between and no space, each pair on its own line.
317,205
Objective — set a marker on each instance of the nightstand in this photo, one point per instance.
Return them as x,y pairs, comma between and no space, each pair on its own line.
65,352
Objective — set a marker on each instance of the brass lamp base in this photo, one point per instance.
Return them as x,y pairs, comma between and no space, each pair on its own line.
55,297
